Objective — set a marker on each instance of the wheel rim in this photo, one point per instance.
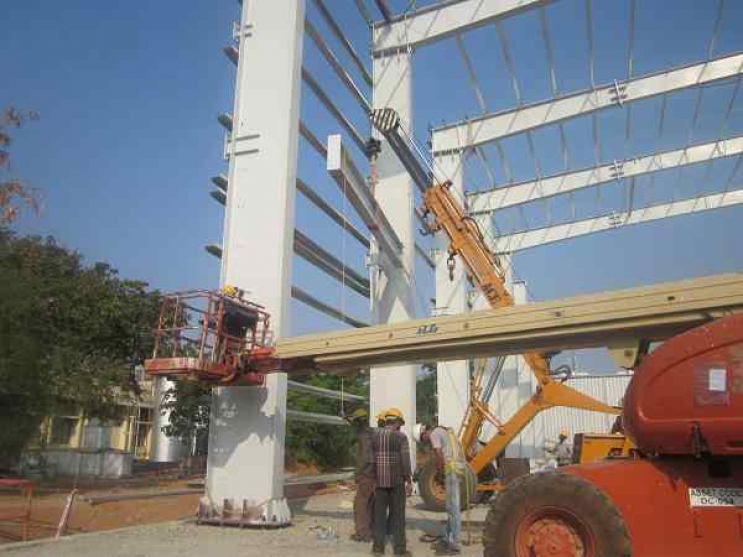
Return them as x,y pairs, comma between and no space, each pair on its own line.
554,532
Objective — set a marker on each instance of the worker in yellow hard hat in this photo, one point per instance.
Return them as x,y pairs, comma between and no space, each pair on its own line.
363,503
380,418
392,466
229,290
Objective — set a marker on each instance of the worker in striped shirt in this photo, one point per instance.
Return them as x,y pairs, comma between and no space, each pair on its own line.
390,456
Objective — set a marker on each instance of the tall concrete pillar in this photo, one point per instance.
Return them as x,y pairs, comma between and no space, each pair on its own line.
163,448
246,437
393,296
452,377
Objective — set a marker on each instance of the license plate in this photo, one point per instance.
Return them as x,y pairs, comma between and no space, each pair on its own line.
715,497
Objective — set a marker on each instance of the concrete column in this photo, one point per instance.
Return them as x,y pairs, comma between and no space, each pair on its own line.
246,437
164,448
393,296
452,377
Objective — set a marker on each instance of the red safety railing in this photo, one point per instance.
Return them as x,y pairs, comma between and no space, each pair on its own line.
209,336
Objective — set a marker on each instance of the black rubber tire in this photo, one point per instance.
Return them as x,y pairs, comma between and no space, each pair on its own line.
434,498
487,475
555,491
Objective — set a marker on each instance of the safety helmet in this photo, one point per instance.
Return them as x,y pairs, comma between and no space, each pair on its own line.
359,415
380,418
394,413
229,290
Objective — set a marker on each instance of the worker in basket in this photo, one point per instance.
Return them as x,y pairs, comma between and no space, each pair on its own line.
451,466
390,457
236,322
363,503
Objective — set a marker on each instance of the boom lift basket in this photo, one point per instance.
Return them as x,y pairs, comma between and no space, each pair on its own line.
209,336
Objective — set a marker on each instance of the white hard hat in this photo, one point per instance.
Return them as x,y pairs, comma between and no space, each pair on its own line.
418,430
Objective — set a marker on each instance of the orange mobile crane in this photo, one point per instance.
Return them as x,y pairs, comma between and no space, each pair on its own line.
443,212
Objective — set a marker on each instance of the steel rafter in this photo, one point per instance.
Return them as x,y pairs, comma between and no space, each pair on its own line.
311,252
340,71
355,189
326,101
490,127
309,300
525,192
442,20
336,30
557,233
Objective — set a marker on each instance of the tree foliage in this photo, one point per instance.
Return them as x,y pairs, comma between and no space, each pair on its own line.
14,192
70,335
328,447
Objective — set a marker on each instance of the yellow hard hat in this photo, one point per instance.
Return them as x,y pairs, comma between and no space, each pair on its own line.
380,418
229,290
394,413
359,415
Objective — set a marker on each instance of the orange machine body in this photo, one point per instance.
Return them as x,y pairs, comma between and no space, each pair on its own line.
684,411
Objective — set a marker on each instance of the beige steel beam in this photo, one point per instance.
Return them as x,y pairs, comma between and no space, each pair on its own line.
618,319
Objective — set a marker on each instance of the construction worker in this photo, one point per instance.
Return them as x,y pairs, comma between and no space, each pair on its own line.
450,466
390,457
363,503
562,451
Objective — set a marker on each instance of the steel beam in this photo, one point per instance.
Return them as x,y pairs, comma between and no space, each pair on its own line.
385,10
442,20
219,196
649,313
490,127
558,233
312,139
314,197
312,417
335,28
232,53
322,307
326,101
220,180
500,198
331,212
340,71
425,256
354,187
306,389
311,252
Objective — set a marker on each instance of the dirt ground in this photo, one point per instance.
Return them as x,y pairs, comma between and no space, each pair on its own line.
322,524
49,502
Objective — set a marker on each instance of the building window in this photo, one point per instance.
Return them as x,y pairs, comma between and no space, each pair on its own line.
63,429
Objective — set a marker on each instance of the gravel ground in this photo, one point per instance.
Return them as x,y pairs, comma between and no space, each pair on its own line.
322,525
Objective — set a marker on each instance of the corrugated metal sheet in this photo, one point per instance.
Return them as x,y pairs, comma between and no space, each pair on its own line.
516,386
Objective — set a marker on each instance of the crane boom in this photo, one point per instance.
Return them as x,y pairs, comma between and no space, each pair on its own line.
443,212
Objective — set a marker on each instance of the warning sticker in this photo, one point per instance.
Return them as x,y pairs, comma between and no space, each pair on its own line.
715,497
718,380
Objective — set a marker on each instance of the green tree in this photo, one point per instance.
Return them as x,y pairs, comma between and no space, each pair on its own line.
69,334
14,192
426,400
328,447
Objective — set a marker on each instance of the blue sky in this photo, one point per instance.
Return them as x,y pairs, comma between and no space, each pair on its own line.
129,92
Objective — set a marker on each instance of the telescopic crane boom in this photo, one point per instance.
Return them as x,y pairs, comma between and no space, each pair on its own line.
443,212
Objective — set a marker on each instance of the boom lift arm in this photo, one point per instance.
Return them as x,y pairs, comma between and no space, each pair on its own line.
443,212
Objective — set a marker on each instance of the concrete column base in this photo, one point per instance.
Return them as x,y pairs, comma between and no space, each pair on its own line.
274,513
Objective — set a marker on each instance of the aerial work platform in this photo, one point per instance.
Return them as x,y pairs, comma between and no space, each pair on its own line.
625,321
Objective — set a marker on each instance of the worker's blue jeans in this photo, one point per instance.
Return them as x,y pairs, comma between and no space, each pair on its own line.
453,510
